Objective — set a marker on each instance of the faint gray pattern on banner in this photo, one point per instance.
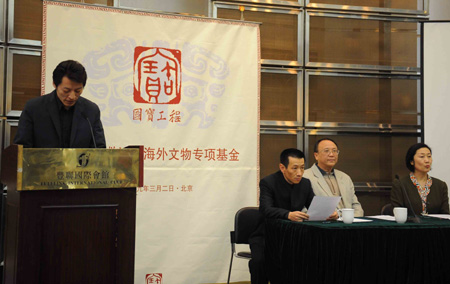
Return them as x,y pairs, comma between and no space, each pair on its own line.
202,97
109,70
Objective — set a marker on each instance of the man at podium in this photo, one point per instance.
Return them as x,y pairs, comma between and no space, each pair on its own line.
62,118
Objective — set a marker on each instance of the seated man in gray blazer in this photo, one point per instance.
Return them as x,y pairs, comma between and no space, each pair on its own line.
327,181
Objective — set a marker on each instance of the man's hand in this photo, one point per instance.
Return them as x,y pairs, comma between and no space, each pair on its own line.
333,216
298,216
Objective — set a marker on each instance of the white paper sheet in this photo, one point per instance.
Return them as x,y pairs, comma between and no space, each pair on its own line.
357,220
383,217
322,207
442,216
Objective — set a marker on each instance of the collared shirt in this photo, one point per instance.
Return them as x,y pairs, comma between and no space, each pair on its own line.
331,180
65,117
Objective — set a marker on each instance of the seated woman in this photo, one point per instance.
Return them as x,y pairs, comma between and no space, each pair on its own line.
427,194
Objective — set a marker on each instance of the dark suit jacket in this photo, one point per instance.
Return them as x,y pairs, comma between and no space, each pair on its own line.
437,200
278,198
40,125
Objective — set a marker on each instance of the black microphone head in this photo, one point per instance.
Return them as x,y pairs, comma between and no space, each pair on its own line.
83,115
396,176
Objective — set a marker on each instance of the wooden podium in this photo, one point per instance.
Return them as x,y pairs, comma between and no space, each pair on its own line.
70,215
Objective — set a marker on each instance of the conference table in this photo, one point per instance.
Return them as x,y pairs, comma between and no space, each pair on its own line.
365,252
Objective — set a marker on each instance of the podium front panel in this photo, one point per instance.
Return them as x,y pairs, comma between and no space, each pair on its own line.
46,169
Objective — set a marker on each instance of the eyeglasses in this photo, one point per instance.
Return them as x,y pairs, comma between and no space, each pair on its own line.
328,151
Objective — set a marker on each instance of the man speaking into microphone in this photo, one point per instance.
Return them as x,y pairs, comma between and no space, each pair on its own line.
62,118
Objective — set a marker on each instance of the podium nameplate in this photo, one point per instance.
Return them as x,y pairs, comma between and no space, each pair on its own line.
47,169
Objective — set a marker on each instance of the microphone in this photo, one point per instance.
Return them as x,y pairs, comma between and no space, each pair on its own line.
90,127
416,218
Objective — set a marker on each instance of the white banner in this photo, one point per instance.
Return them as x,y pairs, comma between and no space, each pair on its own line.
436,87
188,90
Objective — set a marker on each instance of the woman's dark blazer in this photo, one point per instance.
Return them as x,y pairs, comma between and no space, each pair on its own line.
437,200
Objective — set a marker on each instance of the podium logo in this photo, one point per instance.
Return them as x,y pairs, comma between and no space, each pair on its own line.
153,278
157,75
83,160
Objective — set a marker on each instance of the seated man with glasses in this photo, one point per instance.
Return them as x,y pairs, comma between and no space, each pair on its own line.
327,181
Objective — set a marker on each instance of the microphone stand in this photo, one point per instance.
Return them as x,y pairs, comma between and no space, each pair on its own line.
90,127
415,218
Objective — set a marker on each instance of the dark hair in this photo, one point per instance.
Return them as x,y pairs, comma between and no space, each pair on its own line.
71,69
316,146
410,154
291,152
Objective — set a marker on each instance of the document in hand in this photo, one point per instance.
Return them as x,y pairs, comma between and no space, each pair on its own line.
322,207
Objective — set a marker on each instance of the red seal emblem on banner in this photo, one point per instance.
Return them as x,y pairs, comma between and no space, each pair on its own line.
157,75
153,278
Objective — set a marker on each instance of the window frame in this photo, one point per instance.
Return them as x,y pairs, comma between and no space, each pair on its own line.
424,12
299,106
363,17
339,73
271,9
11,51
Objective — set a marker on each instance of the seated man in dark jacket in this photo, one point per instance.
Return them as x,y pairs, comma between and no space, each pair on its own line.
283,195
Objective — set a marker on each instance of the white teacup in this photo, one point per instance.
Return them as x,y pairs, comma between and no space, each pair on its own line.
347,215
401,214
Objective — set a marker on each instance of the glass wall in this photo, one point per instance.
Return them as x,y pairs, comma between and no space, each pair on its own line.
360,41
343,99
281,29
272,142
415,7
356,82
3,76
279,83
23,82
